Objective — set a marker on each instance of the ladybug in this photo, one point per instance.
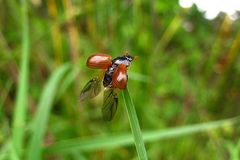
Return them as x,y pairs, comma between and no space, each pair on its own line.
114,77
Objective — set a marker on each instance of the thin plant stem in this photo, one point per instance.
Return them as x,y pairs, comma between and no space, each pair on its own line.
21,101
135,127
115,141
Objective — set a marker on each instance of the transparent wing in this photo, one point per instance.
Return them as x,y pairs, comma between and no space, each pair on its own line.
91,89
110,103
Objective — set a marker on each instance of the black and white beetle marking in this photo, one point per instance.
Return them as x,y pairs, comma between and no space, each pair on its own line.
126,60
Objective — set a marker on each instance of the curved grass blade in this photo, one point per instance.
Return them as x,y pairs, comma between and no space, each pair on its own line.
110,103
114,141
133,120
41,117
91,89
68,81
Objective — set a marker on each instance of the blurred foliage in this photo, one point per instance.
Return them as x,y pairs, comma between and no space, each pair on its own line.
187,72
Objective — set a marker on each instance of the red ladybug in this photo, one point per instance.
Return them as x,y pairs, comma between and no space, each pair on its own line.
115,77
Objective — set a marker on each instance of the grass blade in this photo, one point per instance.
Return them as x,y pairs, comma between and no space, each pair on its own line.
137,135
70,78
21,101
114,141
41,117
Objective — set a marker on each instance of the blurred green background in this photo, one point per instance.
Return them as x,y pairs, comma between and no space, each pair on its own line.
188,72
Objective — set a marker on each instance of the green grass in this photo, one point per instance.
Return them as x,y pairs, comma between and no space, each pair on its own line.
22,91
4,97
116,141
41,117
185,81
133,120
5,150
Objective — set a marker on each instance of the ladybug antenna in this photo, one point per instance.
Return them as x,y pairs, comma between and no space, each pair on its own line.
131,58
126,53
135,57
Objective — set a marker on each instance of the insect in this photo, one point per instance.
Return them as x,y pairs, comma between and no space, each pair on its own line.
114,77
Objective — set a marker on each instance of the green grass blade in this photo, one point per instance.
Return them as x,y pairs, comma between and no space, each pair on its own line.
70,77
114,141
21,101
14,155
186,130
90,144
42,114
137,135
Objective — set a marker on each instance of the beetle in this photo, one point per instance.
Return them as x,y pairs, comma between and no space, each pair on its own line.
115,77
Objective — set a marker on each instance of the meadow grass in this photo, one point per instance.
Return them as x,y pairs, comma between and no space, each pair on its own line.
126,139
20,112
181,96
133,120
39,124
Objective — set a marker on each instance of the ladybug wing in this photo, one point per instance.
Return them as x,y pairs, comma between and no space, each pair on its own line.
99,61
91,89
110,103
120,77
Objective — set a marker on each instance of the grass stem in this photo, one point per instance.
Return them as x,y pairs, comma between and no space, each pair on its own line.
136,131
43,111
21,101
115,141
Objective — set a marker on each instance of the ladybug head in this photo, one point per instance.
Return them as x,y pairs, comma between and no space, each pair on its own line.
129,58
